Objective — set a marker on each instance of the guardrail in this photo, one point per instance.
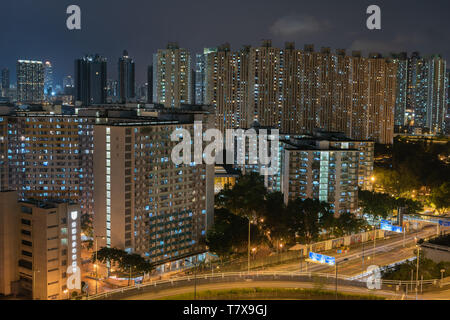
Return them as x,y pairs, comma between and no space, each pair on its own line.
239,276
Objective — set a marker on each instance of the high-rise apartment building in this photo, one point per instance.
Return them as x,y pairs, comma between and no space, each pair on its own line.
400,119
321,172
126,78
143,202
297,91
50,157
49,87
173,79
227,86
426,93
90,80
336,140
201,66
30,81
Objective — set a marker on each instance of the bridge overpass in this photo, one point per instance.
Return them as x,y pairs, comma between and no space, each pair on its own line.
389,288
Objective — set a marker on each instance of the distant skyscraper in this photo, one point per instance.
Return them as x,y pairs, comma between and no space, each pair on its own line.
150,84
401,60
48,79
200,75
30,81
90,80
427,92
126,78
112,90
173,76
447,117
5,78
68,85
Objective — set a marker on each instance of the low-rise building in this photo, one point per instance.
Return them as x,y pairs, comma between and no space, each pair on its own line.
41,247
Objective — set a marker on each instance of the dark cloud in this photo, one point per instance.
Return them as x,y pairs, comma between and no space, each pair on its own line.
297,25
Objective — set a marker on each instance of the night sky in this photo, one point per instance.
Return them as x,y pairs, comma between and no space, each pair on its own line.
31,29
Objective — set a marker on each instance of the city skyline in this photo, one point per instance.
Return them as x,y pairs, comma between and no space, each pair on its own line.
148,31
244,150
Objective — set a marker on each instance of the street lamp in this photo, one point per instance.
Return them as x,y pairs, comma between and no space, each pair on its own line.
336,267
96,263
195,278
372,179
442,276
67,291
417,270
374,242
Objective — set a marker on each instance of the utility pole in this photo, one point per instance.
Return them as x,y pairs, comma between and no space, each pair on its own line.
248,251
417,271
129,279
363,254
374,242
336,283
195,281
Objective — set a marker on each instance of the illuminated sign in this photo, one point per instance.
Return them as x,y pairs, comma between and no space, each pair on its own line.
74,281
390,227
320,258
444,223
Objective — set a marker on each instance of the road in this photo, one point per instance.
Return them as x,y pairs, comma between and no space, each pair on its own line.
258,284
386,252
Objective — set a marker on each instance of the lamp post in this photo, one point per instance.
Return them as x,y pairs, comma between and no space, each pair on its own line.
336,268
248,249
67,291
417,270
96,263
363,254
374,242
442,276
195,278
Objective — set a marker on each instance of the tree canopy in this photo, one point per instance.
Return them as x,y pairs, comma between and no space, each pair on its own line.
123,260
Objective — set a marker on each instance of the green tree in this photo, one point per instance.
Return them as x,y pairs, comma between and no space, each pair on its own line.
123,260
229,233
245,198
376,205
397,182
305,218
275,218
86,225
348,223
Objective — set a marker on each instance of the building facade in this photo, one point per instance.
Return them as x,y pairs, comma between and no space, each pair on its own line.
40,247
30,81
143,202
297,91
327,166
49,86
426,93
90,80
126,78
323,173
173,81
5,78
